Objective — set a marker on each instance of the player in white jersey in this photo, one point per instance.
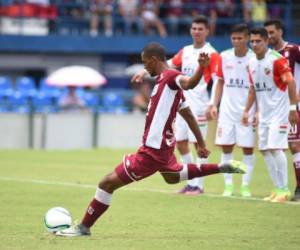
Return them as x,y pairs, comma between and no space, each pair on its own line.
291,52
233,87
273,87
197,98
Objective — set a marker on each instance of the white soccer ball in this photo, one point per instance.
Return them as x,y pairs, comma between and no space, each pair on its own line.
57,218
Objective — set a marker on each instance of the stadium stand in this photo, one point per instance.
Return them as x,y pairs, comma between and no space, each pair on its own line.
51,27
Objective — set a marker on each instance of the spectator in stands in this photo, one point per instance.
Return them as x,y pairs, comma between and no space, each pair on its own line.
129,12
259,12
225,10
275,8
203,7
71,101
246,7
174,14
255,12
150,17
101,11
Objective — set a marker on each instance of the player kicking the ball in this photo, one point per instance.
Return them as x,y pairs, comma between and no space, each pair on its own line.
157,152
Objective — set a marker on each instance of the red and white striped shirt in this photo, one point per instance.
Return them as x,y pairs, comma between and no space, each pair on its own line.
166,99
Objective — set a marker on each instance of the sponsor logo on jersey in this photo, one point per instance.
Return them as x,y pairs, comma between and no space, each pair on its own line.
229,66
267,71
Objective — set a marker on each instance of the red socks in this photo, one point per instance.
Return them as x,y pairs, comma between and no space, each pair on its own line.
93,212
205,169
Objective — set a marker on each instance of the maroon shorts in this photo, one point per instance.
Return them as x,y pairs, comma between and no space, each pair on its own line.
140,165
294,134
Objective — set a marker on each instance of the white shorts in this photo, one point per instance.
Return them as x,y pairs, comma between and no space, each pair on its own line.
235,133
183,132
274,136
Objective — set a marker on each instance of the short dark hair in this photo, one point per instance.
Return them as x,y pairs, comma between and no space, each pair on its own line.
260,31
240,28
276,22
200,19
155,49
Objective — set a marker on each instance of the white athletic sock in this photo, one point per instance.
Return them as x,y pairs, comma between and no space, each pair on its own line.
271,165
102,196
249,160
188,158
183,174
282,169
227,177
198,182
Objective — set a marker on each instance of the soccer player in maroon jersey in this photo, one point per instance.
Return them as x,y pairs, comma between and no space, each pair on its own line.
291,52
157,151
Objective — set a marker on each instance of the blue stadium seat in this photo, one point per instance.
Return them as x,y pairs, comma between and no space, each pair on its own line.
113,102
91,100
6,86
18,102
49,90
43,103
3,104
26,85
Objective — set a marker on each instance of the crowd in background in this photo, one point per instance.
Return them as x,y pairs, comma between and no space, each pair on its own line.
145,17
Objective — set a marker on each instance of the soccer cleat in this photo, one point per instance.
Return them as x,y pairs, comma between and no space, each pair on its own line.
270,197
228,191
74,231
296,195
194,191
280,198
184,189
233,167
245,191
190,190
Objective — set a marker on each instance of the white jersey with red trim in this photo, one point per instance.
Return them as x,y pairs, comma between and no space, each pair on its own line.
234,71
271,92
187,60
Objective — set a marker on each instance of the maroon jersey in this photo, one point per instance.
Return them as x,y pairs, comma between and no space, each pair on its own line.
291,52
166,98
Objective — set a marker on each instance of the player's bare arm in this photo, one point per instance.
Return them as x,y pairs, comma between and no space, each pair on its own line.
213,109
191,82
250,102
289,79
188,116
139,76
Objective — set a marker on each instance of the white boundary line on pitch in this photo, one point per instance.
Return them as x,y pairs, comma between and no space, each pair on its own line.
72,184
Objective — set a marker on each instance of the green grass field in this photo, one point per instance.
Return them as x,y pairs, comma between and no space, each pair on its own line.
145,215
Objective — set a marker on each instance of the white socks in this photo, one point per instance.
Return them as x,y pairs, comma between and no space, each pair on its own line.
272,166
183,174
282,168
198,182
226,158
103,197
249,160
